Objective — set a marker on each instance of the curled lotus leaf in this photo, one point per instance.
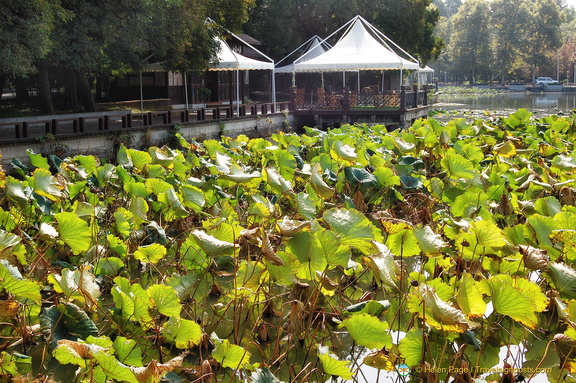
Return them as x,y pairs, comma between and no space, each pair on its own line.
534,258
443,312
289,227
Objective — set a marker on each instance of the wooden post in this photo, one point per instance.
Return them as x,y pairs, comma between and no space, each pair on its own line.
80,124
25,127
402,98
54,126
107,122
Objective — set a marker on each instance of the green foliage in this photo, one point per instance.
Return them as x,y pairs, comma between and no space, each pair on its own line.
135,269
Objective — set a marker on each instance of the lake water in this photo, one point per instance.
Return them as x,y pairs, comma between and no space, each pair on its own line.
535,102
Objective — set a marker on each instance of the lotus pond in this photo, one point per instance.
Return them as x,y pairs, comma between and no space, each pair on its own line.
422,253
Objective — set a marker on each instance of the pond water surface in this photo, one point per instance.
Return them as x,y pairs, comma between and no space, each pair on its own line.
551,102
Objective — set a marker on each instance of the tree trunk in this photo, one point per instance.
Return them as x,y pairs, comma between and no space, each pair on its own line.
22,94
71,92
46,104
86,96
2,82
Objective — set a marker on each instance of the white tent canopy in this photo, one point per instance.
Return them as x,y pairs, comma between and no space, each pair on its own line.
357,50
314,47
229,60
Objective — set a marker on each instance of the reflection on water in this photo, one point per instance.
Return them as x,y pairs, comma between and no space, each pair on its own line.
544,102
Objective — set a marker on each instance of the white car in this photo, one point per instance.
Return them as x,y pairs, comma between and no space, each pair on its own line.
545,81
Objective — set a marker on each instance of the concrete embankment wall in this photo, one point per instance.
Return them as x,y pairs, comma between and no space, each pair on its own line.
103,144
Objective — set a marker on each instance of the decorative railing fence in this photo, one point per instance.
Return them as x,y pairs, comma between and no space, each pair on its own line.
402,99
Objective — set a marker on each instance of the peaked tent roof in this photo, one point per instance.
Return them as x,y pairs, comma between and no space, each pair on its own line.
357,49
230,60
315,48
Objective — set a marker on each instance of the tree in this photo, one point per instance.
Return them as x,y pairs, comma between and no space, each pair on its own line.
510,32
470,42
544,34
410,23
25,29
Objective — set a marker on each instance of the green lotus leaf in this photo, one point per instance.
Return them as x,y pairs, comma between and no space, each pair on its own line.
230,355
542,228
13,283
182,332
403,243
487,234
37,160
547,206
157,186
519,299
139,158
303,246
564,279
332,366
211,245
384,268
78,284
368,331
113,369
193,197
360,176
411,347
353,228
150,253
276,181
457,166
306,206
74,232
173,207
386,177
66,321
287,164
165,299
90,163
469,203
16,191
372,307
329,245
78,353
46,185
108,266
318,184
469,298
344,151
410,182
128,351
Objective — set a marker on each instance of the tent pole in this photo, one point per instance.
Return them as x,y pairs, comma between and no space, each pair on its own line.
343,79
274,89
358,81
186,91
400,78
141,94
238,92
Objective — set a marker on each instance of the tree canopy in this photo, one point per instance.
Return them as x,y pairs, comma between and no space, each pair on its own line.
505,39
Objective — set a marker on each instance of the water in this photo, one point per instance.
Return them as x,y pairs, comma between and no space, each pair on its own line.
505,102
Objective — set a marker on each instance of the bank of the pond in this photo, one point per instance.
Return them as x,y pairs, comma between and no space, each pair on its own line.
506,103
